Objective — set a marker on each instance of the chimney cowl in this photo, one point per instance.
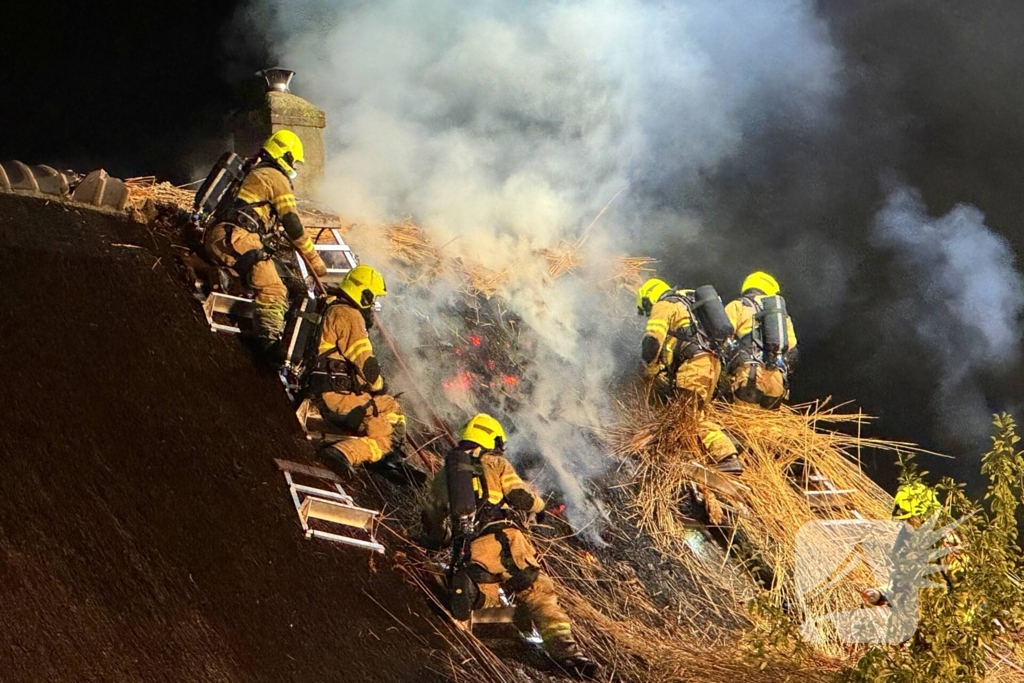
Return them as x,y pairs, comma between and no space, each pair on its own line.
277,79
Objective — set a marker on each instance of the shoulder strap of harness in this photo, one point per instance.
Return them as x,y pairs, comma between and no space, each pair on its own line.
692,335
323,361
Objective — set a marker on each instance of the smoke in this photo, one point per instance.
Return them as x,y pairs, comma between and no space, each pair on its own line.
504,129
963,298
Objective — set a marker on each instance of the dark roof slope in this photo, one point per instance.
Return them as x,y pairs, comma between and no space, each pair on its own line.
145,534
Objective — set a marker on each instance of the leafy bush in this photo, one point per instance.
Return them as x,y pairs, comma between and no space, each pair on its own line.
978,601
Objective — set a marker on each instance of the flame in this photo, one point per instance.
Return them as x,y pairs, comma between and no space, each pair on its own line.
475,340
510,380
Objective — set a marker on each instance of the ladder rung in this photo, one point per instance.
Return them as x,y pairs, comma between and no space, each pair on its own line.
339,513
493,615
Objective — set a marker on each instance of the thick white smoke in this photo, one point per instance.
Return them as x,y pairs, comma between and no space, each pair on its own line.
504,127
964,299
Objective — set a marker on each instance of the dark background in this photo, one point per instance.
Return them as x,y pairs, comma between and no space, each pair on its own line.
933,92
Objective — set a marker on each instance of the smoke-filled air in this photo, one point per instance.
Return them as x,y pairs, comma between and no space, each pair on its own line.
962,297
504,129
609,126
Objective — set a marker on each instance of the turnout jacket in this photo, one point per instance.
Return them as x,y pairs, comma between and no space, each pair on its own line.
741,313
344,337
501,479
668,316
267,195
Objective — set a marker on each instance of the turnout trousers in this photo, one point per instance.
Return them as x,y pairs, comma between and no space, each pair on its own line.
754,384
514,563
241,252
695,382
380,425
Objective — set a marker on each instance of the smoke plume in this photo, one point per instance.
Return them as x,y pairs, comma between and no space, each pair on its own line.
963,298
733,135
504,128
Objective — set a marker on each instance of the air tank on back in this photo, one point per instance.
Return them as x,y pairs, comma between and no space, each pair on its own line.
774,330
710,312
461,497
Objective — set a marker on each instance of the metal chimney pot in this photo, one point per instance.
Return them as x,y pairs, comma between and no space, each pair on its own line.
277,79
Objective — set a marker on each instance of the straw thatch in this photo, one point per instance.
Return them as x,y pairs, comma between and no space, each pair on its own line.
144,189
666,598
632,271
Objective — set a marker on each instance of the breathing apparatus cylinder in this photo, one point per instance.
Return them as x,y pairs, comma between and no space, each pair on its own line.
219,189
774,330
461,472
710,313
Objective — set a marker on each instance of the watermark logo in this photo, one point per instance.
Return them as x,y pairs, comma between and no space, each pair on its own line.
888,561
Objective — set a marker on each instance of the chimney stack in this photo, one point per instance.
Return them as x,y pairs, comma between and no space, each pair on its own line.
283,109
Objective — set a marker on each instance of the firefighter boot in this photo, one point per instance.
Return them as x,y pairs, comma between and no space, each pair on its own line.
335,459
268,322
730,464
570,658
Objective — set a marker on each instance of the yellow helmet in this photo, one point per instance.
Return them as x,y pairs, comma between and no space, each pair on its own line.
484,430
763,281
363,284
285,148
916,500
648,295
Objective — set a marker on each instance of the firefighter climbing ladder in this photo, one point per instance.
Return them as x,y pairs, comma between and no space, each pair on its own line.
225,312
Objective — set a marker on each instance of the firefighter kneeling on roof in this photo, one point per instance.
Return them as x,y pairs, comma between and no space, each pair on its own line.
686,330
758,372
485,501
264,200
347,385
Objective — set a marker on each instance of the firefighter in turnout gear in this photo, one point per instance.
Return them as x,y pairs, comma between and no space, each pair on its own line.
265,202
347,385
480,495
914,504
758,371
680,360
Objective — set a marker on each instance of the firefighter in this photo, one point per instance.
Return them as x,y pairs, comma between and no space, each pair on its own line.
914,504
265,202
481,496
681,364
758,373
347,385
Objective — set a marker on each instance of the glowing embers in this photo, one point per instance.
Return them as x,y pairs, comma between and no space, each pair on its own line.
478,370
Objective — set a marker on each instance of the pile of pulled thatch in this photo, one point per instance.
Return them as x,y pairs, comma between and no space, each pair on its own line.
667,596
796,473
144,189
420,261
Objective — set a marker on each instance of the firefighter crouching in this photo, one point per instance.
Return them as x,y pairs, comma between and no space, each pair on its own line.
264,201
758,372
347,385
485,501
679,350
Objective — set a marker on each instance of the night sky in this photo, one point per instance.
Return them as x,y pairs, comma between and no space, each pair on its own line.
133,87
936,91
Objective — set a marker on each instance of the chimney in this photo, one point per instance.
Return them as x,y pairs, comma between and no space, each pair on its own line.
281,109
